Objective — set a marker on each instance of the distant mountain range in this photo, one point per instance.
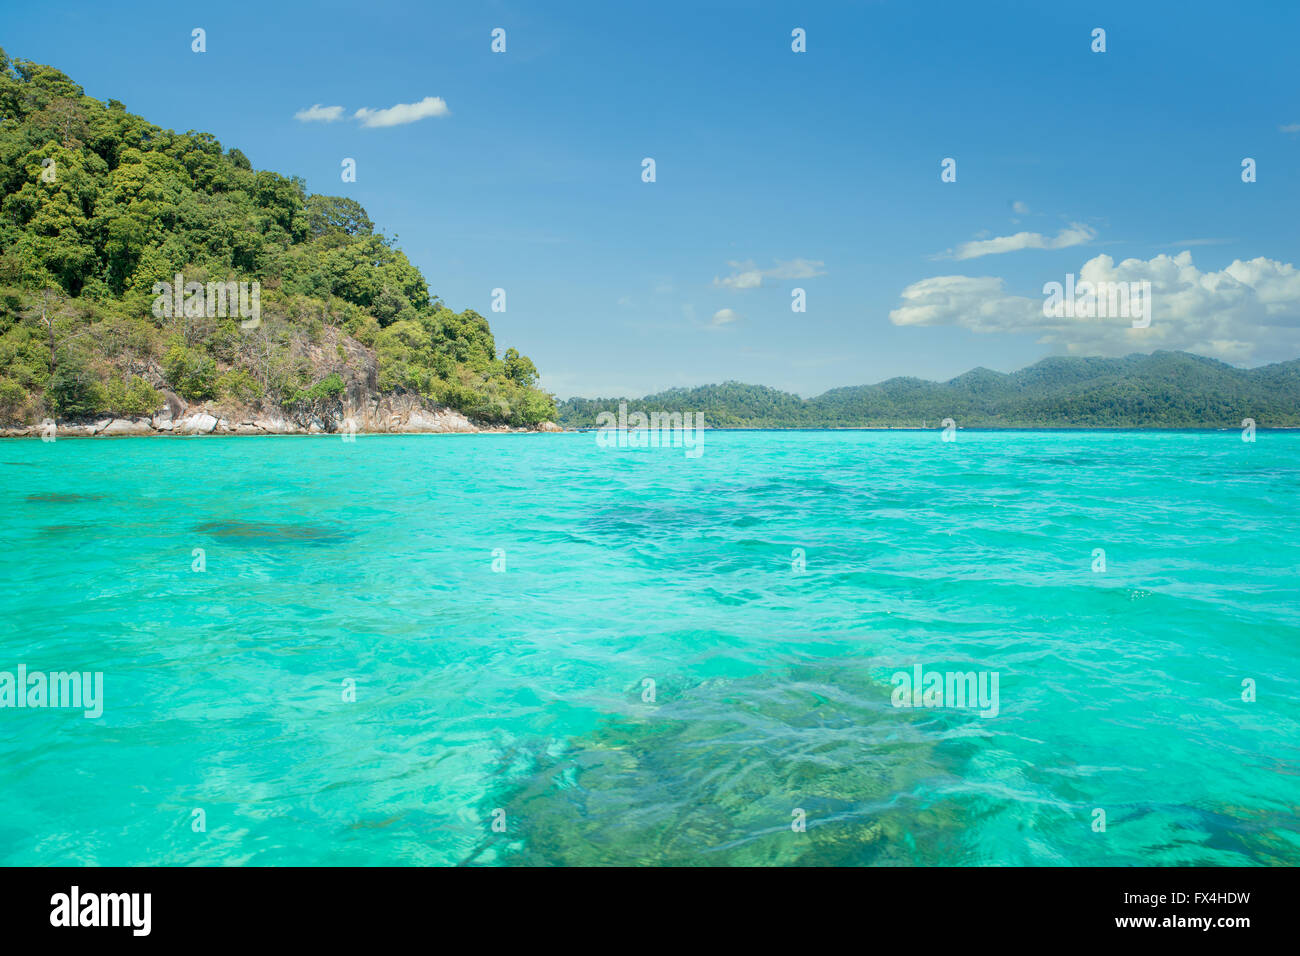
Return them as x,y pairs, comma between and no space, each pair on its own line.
1160,390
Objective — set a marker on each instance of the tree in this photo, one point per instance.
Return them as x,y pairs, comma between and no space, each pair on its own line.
63,117
520,368
55,323
337,212
73,391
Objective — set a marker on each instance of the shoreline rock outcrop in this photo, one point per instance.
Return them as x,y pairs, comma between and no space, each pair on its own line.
389,415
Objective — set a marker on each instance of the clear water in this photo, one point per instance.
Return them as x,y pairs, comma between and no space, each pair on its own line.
518,696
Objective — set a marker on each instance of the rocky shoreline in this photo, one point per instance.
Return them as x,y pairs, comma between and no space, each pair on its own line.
392,415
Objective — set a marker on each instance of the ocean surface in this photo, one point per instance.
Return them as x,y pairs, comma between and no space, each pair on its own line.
528,649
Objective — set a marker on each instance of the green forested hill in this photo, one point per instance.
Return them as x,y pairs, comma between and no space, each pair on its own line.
97,205
1162,390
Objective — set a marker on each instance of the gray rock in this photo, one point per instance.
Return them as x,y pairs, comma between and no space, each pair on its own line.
199,424
175,405
123,426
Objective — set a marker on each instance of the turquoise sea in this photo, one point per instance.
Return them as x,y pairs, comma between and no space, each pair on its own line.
520,696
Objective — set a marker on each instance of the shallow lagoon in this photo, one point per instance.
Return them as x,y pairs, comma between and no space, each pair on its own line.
520,695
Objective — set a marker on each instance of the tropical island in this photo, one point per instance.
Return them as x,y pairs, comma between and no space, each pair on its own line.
1159,390
100,210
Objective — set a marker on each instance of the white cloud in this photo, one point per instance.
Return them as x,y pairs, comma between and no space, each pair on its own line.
725,316
403,113
320,114
749,276
1290,128
1019,208
1247,311
1075,235
796,269
979,304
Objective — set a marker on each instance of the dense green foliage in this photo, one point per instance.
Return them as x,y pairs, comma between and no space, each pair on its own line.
97,205
1164,389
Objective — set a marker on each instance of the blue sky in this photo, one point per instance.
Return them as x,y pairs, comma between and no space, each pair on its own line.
775,169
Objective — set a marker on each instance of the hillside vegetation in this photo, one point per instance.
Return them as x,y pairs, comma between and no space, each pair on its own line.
97,205
1162,390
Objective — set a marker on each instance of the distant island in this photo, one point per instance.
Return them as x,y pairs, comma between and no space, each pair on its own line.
1160,390
152,281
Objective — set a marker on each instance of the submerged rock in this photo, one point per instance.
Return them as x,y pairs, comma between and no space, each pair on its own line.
718,776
